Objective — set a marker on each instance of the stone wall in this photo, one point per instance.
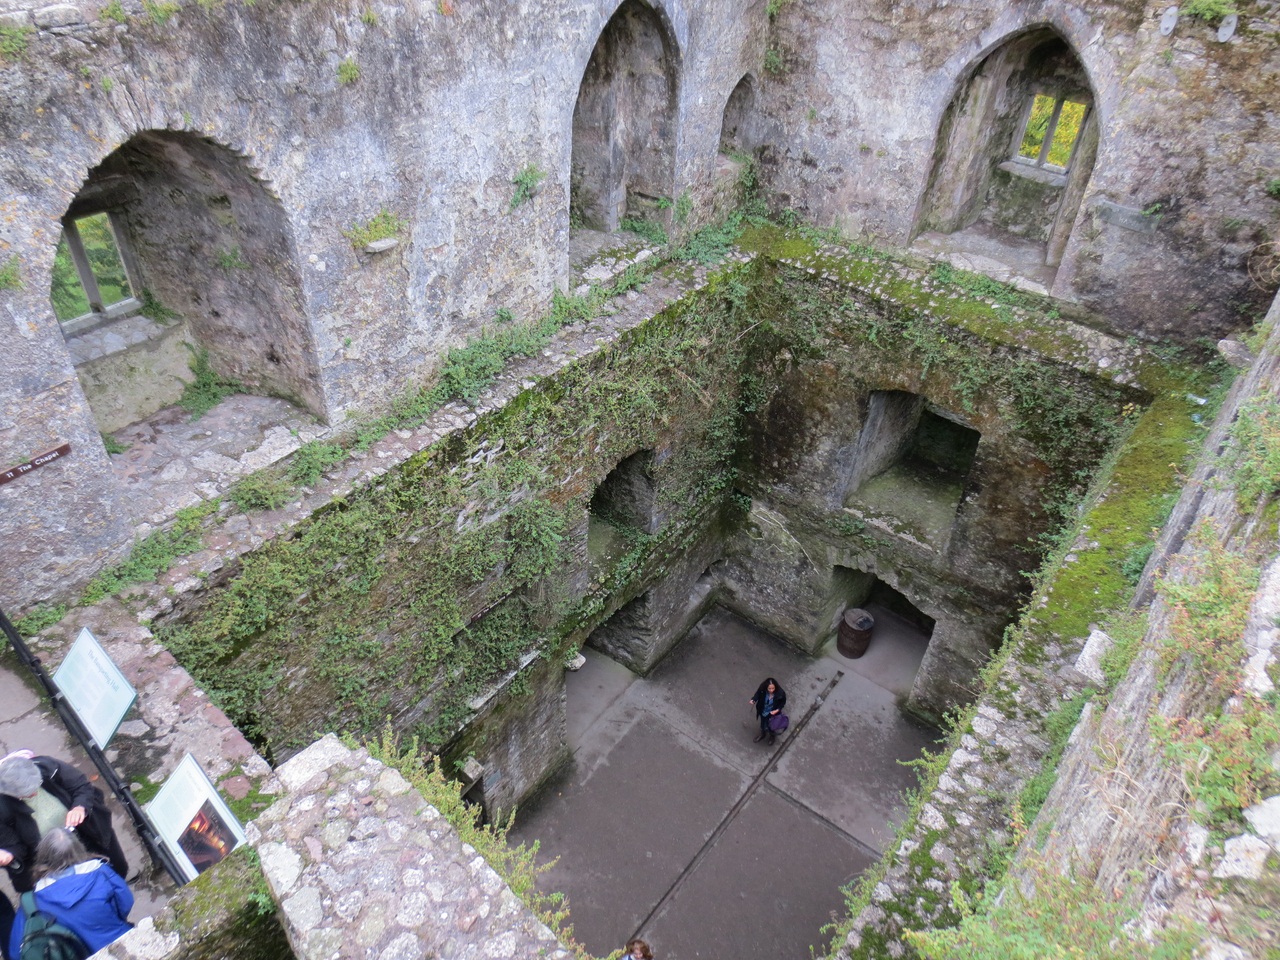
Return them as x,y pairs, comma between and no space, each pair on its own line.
246,155
827,431
856,110
1118,815
448,108
363,866
360,865
215,917
1120,808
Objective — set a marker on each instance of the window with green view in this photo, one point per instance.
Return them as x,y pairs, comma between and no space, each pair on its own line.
88,271
1053,127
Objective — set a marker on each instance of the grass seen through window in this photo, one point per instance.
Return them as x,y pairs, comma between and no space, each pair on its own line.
1058,120
68,294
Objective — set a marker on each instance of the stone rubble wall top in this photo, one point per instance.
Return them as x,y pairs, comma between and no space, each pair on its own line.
363,866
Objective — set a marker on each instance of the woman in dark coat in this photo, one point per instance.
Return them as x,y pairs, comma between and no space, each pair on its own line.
32,785
770,698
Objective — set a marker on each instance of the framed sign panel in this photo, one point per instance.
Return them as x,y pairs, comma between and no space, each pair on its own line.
192,820
95,688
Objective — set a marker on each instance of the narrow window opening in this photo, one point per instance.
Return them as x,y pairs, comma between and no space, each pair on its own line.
1051,132
89,272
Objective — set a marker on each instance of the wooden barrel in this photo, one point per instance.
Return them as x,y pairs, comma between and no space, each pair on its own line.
855,633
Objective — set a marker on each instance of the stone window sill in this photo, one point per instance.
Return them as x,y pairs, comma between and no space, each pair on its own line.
106,335
1028,171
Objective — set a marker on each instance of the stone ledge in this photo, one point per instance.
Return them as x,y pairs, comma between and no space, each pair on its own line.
362,866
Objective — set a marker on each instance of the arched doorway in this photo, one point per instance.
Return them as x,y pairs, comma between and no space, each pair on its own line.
1014,154
624,122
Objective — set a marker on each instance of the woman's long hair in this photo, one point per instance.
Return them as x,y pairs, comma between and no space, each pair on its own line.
58,850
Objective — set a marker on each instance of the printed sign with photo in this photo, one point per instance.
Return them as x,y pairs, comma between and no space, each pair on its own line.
194,822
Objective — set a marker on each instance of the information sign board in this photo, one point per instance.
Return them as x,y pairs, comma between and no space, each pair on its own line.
192,820
95,688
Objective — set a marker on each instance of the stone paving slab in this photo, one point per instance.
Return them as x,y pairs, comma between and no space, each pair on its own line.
847,767
614,818
705,684
624,830
173,461
765,889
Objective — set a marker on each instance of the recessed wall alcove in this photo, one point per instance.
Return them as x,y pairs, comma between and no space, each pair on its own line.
172,248
623,150
910,466
621,506
1015,151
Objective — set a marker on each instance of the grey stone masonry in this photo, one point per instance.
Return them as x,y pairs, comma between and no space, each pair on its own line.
363,866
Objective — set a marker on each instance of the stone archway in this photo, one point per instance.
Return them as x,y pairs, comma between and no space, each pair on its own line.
624,122
1014,154
737,134
172,249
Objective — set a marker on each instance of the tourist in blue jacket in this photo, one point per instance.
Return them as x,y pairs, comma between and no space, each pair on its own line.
81,892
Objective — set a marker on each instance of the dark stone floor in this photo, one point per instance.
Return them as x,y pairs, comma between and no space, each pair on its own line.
671,824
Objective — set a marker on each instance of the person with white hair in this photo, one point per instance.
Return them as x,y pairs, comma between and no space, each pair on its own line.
40,794
79,891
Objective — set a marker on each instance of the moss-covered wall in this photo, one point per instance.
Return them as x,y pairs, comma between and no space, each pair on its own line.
424,596
224,914
414,595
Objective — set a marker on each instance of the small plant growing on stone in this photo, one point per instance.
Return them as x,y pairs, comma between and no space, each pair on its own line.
114,11
208,389
260,491
369,18
1273,188
1167,56
526,184
652,232
504,315
774,7
684,207
112,445
160,11
107,84
348,72
13,40
39,618
382,226
153,309
312,460
1210,11
773,62
9,278
231,259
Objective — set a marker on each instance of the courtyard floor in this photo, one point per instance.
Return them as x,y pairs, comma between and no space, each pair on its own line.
672,825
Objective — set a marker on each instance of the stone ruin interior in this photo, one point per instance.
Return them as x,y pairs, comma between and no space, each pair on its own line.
520,385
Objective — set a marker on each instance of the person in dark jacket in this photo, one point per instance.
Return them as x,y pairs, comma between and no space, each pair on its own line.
81,892
6,925
38,794
770,698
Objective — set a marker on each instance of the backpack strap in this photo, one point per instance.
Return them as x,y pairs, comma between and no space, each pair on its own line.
29,904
